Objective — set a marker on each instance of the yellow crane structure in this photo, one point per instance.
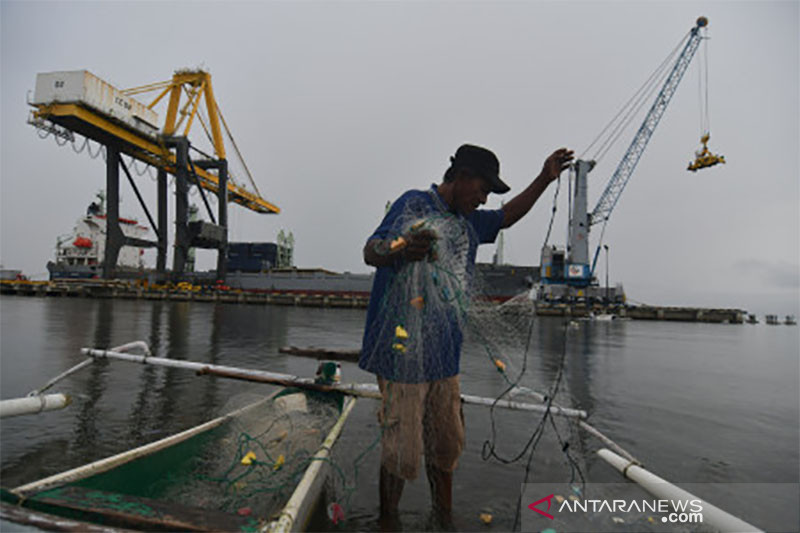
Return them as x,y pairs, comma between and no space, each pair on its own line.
703,157
72,102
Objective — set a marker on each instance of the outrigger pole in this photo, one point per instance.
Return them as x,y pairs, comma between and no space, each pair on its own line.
663,489
33,404
365,390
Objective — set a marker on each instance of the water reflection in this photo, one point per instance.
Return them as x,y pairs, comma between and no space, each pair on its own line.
86,432
138,420
209,398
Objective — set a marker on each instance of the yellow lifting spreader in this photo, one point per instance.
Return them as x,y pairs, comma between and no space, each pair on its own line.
704,158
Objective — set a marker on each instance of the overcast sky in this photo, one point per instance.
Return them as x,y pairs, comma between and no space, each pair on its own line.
339,107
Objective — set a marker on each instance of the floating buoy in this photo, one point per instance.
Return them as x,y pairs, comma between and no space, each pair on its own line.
400,332
335,513
418,302
279,463
397,244
248,458
418,225
244,511
486,518
398,347
501,366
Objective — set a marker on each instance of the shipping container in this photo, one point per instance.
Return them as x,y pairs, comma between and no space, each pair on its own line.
84,88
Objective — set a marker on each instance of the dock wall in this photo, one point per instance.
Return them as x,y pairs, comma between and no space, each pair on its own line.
131,291
125,289
678,314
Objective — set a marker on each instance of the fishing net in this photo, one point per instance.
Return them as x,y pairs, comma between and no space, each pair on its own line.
440,305
252,464
430,306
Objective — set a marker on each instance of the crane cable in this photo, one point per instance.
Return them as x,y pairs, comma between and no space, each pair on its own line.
233,143
702,90
231,175
236,148
632,106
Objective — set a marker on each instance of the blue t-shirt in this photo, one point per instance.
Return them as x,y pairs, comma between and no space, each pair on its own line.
432,349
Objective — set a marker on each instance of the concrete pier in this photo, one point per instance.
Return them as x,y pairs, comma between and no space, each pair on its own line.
646,312
133,290
128,289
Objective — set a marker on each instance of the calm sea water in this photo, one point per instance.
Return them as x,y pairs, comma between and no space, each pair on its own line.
697,403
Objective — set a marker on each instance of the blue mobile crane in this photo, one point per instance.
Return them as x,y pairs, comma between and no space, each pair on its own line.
568,273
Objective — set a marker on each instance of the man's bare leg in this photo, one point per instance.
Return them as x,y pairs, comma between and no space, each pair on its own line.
441,483
391,488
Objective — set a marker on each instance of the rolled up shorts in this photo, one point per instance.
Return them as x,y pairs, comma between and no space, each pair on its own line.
419,418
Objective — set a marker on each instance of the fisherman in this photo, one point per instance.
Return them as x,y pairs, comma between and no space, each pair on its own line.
421,411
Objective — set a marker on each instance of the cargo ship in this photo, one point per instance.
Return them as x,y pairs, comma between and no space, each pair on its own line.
263,267
267,267
79,255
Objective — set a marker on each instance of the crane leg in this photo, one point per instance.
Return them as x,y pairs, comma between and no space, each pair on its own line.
114,236
161,260
182,236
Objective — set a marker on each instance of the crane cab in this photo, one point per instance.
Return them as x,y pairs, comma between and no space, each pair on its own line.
704,158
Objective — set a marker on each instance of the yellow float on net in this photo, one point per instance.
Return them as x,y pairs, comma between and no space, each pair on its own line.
248,458
501,366
418,302
398,347
397,244
400,332
279,463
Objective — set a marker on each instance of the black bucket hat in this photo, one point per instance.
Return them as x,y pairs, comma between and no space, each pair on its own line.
483,162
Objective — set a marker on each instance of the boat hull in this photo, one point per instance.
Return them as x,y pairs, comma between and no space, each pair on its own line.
133,489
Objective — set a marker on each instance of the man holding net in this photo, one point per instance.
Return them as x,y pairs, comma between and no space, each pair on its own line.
425,250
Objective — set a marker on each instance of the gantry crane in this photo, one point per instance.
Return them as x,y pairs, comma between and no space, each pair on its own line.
572,269
78,102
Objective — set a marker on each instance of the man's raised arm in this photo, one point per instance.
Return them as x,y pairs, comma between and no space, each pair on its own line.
519,206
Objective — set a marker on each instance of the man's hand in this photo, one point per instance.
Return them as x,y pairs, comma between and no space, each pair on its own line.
558,162
419,245
519,206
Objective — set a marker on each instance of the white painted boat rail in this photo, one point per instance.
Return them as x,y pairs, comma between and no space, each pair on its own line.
300,504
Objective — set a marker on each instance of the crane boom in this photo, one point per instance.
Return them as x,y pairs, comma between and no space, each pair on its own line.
610,197
573,268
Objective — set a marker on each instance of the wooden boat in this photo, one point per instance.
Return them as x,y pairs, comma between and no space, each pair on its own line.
147,488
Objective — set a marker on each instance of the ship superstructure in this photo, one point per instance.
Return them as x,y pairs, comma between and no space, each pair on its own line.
80,254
